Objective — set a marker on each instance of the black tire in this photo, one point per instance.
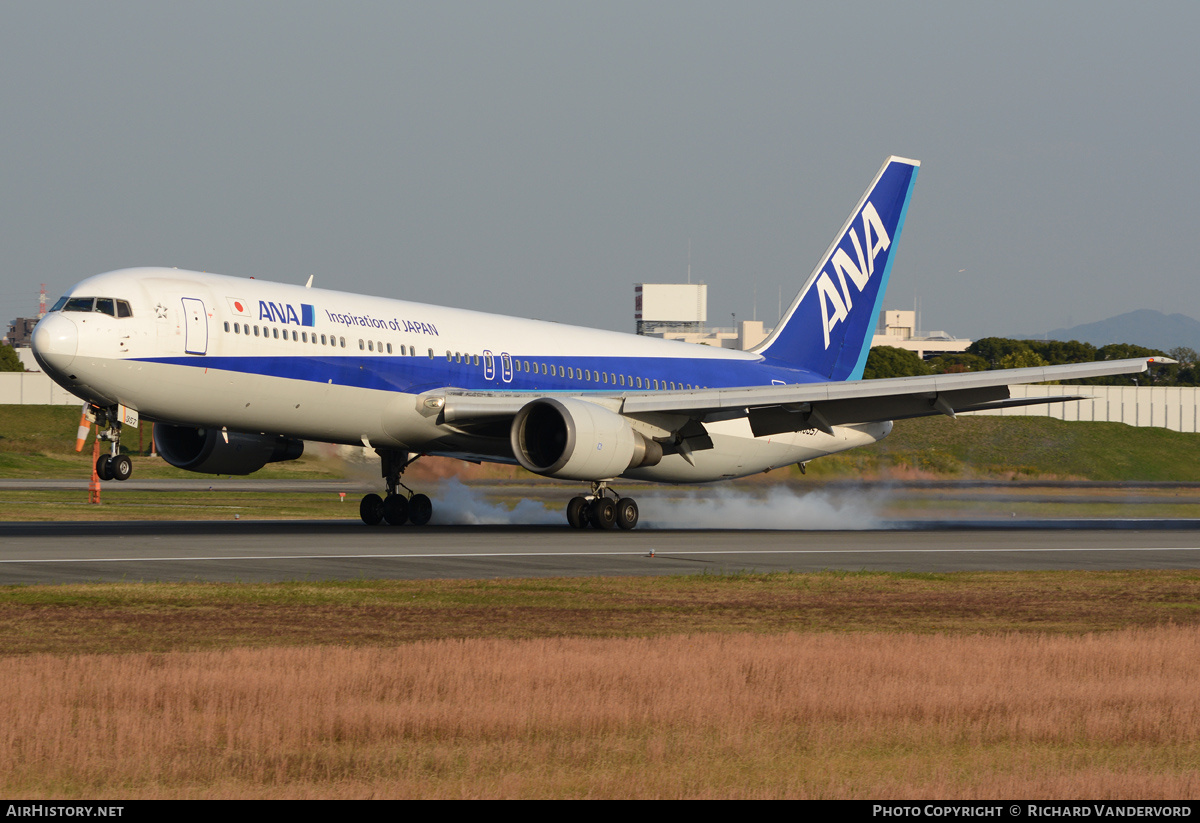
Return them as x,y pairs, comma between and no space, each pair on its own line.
120,467
577,513
603,513
627,513
395,509
420,510
371,510
104,467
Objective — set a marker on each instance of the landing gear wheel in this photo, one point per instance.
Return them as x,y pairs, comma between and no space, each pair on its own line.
371,509
120,467
603,513
104,467
395,509
627,513
420,509
577,513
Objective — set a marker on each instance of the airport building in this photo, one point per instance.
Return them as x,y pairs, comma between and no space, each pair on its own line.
900,331
679,311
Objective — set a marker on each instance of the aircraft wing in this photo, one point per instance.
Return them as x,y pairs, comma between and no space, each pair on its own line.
789,408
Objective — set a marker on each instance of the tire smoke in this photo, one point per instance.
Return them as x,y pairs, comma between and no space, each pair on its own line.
776,507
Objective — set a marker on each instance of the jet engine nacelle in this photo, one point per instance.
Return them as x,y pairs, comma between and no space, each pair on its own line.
577,440
206,450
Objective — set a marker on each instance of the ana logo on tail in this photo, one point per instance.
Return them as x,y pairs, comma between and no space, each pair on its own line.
836,302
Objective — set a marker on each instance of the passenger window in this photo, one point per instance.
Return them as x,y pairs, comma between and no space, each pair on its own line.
389,348
361,345
342,340
227,326
275,333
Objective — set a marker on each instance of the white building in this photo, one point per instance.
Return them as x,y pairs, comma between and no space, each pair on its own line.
900,331
679,311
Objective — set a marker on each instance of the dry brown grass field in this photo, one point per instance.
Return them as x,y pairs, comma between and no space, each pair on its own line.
818,715
1033,685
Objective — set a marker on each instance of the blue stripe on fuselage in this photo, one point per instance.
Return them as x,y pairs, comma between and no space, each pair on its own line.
404,374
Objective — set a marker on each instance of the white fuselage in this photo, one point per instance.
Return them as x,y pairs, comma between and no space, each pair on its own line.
214,351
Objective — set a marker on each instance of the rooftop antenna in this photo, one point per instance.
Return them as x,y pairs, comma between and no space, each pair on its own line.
42,302
689,261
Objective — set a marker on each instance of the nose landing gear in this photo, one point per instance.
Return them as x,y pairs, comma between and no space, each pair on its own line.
113,466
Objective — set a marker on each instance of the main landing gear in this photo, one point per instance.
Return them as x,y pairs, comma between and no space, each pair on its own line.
601,511
113,466
396,508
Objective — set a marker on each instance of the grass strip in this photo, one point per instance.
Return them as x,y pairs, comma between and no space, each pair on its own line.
161,617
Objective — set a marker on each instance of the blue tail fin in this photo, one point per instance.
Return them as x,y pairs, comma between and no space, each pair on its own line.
828,328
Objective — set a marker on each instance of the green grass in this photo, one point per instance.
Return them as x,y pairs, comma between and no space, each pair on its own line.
39,441
1022,448
159,617
117,503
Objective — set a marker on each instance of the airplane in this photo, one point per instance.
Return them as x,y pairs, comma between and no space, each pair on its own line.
237,373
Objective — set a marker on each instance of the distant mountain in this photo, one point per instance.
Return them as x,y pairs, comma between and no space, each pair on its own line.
1143,327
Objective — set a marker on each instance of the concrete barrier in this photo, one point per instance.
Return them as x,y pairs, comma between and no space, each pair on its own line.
1170,407
33,388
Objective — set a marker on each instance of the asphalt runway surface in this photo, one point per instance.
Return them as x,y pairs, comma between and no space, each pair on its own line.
259,551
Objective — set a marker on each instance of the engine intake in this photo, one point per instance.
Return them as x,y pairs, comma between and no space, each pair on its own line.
205,450
576,440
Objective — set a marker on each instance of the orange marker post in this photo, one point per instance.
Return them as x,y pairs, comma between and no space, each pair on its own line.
94,485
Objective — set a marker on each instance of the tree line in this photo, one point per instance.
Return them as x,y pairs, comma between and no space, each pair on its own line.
1005,353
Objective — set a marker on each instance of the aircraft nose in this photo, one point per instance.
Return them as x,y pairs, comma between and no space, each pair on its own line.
55,341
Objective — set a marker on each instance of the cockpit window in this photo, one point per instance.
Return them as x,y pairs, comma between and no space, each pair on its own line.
104,305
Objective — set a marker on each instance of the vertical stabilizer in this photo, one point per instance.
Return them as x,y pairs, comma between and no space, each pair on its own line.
828,328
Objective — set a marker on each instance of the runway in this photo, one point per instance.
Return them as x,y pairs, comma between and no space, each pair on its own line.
261,551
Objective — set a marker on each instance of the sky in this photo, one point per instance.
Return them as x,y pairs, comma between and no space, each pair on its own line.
538,159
